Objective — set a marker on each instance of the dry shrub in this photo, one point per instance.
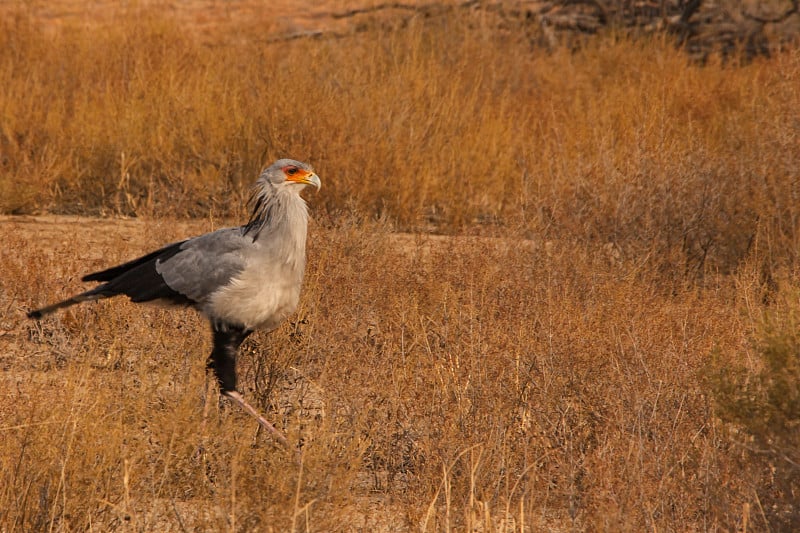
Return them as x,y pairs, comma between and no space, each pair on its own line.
755,391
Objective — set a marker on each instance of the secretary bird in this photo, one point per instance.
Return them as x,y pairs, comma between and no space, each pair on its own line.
241,279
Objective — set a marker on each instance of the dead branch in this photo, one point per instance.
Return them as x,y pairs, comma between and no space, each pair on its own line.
433,6
702,26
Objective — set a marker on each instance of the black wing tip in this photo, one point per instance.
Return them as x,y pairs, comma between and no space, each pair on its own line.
36,314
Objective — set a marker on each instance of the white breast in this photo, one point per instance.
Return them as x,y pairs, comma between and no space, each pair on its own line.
257,299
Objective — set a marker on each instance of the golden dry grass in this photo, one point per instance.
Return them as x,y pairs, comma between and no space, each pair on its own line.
531,390
450,123
556,378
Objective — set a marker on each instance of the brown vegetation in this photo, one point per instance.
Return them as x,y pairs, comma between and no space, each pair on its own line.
595,345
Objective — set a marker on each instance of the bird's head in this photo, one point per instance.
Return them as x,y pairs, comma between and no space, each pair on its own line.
290,173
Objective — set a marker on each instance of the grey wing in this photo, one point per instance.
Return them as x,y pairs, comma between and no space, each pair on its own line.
206,263
183,273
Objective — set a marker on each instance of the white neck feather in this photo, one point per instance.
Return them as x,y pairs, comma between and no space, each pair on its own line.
279,224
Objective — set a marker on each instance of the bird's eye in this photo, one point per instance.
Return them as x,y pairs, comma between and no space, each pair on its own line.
291,171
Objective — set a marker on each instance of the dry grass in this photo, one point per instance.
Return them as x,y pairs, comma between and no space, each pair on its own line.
556,379
464,380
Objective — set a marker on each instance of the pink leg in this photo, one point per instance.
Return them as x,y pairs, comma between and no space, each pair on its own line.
277,435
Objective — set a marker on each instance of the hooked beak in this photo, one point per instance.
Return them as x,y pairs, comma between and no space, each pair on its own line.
306,178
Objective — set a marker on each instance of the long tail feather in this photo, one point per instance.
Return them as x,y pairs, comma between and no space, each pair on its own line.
78,298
